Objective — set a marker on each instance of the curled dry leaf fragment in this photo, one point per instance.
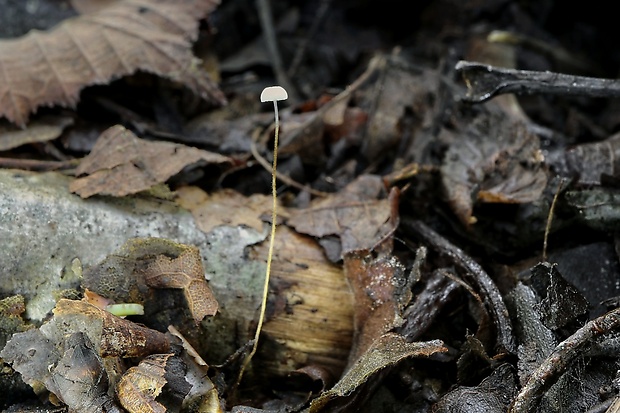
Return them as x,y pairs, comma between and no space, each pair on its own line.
155,385
184,272
51,68
143,264
386,351
122,164
111,335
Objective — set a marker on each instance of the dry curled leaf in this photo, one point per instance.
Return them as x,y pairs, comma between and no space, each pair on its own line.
50,68
386,351
122,164
381,291
111,335
155,376
184,272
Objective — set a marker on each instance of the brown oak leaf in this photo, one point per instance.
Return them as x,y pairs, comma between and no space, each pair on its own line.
50,68
184,272
355,215
122,164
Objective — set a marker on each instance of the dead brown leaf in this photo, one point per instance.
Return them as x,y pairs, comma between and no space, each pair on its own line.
381,291
386,351
184,272
50,68
65,355
139,388
40,130
355,215
143,264
122,164
224,207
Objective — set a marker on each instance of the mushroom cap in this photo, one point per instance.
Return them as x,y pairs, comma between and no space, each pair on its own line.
273,93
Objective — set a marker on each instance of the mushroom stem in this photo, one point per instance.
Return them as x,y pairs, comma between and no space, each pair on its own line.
274,94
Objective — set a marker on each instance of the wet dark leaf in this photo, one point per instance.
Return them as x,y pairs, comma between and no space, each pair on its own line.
29,353
80,379
493,395
381,291
496,160
561,304
591,161
598,208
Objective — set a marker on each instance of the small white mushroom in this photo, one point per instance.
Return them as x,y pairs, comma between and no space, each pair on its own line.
273,94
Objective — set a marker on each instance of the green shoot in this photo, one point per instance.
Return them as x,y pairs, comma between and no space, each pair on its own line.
123,310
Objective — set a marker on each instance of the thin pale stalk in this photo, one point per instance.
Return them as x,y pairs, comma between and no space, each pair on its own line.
274,213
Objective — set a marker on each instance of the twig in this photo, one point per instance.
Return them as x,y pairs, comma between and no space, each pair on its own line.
485,82
38,165
266,21
301,50
550,219
284,178
478,276
553,366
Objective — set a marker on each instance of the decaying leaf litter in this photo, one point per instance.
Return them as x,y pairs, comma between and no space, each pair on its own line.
418,265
